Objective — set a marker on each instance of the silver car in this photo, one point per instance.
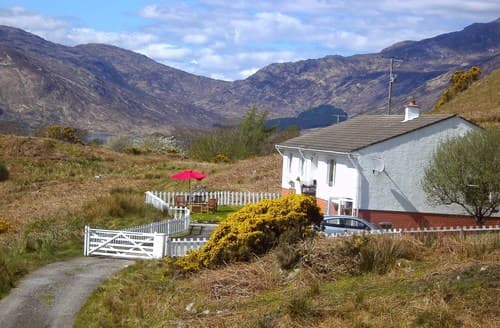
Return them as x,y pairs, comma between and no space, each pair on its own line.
342,224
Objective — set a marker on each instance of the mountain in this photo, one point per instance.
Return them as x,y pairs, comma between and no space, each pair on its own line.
97,87
105,89
316,117
359,84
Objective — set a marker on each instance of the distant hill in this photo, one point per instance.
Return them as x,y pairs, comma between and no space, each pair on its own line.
480,103
107,90
317,117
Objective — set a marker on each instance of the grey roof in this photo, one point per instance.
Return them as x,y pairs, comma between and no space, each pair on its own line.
360,132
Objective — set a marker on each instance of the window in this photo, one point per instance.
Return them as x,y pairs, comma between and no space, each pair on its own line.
302,166
354,224
331,172
290,158
334,222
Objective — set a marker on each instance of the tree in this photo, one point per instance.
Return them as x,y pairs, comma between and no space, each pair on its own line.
253,133
466,171
250,137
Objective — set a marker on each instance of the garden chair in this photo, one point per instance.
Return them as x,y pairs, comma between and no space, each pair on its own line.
212,205
180,201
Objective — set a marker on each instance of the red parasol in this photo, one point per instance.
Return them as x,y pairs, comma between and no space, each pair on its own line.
188,175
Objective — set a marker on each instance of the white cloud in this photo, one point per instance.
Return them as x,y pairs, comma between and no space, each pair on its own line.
46,27
247,72
24,19
164,51
195,39
126,40
230,40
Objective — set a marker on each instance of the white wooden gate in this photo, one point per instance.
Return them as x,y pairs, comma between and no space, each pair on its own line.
124,244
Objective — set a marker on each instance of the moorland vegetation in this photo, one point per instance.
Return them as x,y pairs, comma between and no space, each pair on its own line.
52,188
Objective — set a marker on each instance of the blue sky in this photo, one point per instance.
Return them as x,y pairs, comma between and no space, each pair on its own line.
230,40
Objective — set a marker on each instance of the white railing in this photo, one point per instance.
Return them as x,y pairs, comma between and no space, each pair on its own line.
422,231
223,197
169,227
181,246
156,201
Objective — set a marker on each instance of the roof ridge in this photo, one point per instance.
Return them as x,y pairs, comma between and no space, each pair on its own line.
346,137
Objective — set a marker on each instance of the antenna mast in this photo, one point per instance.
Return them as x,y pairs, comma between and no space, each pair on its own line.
392,78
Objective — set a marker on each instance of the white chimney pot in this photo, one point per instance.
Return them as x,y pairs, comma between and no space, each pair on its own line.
412,111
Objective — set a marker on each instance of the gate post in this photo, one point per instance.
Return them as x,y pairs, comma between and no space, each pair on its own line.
159,245
86,241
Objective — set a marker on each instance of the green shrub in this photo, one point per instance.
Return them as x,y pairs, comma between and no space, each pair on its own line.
254,230
119,142
221,158
66,133
4,171
133,150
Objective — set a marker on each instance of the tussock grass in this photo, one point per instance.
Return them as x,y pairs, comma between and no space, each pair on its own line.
419,289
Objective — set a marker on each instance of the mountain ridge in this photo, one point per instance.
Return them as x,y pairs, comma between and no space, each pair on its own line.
106,89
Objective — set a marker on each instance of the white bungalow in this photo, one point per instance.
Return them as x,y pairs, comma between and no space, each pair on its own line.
372,166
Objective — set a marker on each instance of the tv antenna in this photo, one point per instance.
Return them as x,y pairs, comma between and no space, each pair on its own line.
392,78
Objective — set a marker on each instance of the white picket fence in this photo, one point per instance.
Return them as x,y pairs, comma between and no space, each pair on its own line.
463,231
181,246
223,197
169,227
156,201
148,241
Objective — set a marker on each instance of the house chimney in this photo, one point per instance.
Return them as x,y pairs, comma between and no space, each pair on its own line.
411,111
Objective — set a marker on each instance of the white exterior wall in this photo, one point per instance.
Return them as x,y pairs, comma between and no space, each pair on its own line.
316,168
345,182
398,187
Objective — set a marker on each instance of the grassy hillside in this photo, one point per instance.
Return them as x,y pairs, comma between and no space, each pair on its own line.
56,188
480,103
47,176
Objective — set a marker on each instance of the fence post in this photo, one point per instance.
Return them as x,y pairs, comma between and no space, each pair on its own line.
86,241
159,245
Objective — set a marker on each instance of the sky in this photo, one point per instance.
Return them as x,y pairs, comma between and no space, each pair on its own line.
230,40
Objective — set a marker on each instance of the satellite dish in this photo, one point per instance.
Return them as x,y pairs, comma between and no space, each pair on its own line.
378,165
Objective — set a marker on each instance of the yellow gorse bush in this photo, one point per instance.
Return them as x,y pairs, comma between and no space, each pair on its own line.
5,226
253,230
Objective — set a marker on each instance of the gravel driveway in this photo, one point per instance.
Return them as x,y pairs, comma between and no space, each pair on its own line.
52,295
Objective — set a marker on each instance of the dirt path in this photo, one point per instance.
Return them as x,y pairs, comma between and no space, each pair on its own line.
52,296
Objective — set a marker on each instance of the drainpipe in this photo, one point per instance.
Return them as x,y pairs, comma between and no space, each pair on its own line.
358,189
